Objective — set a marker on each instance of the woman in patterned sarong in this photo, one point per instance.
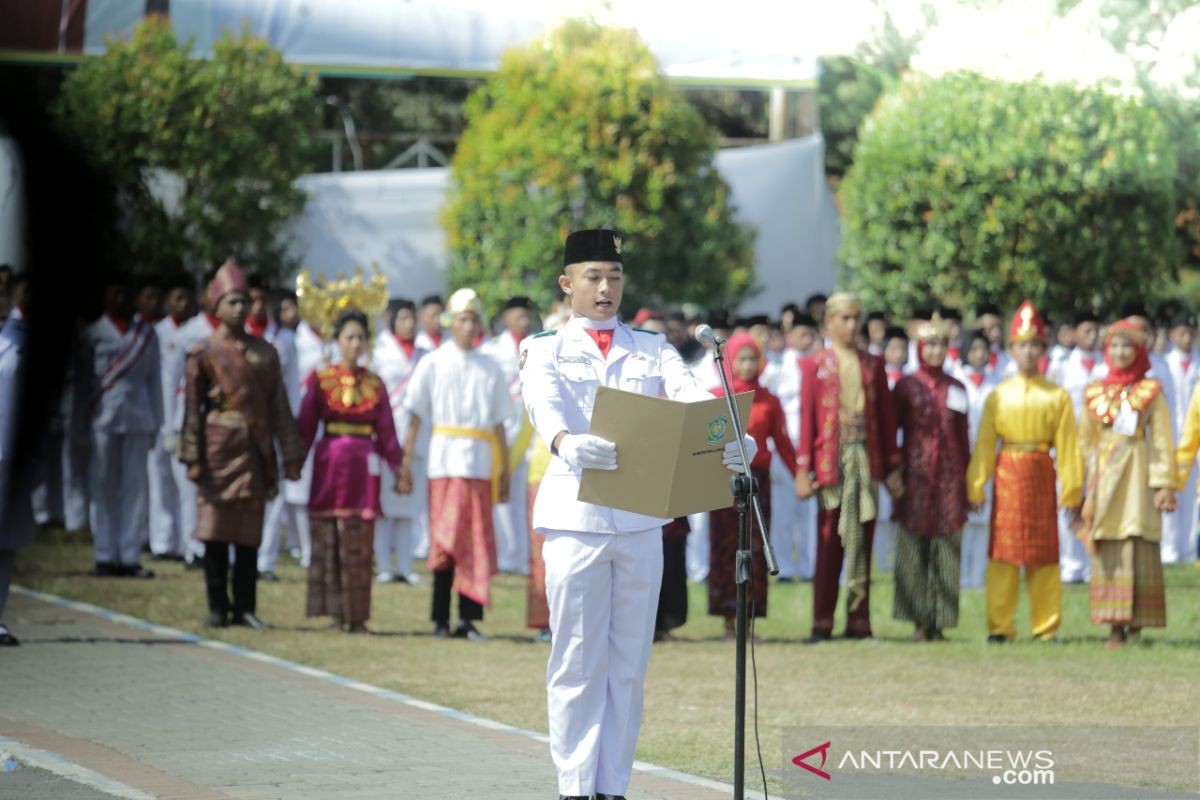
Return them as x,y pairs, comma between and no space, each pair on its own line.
1125,437
359,430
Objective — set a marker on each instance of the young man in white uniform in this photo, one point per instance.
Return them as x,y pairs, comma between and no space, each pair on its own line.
126,415
166,539
1084,365
512,518
603,566
1183,363
394,359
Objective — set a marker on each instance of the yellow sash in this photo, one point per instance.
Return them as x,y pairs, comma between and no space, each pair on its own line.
516,453
487,436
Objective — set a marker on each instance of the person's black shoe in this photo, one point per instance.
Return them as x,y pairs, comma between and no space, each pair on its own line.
610,797
162,557
103,569
466,630
997,638
574,797
818,636
268,576
857,635
215,619
194,564
133,571
248,620
442,631
6,637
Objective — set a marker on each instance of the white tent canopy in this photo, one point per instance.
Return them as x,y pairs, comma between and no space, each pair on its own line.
698,43
390,218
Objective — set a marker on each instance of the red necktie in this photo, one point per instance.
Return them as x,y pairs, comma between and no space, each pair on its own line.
993,359
976,378
603,339
1089,364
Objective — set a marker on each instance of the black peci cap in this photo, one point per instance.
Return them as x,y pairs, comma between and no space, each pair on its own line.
518,302
593,244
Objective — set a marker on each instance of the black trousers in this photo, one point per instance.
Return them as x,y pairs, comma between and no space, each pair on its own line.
468,609
245,578
673,595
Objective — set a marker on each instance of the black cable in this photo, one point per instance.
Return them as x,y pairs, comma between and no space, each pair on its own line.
754,672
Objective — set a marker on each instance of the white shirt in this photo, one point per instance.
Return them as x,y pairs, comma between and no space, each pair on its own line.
396,368
1074,376
1183,384
562,371
505,350
426,343
311,352
284,341
126,380
464,389
192,332
170,353
784,380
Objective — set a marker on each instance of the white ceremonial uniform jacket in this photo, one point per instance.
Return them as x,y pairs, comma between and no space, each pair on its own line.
171,354
1074,376
506,352
284,341
784,381
1184,378
311,352
126,379
560,373
194,331
395,368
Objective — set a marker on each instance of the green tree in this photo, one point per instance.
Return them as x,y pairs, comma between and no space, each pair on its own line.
974,189
579,130
233,129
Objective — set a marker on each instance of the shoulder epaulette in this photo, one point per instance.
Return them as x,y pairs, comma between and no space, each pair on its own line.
643,330
550,332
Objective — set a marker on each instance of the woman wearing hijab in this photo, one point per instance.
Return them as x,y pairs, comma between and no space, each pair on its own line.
1125,437
931,410
745,363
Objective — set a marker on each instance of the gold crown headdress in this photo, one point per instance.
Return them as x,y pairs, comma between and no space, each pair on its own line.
935,328
322,301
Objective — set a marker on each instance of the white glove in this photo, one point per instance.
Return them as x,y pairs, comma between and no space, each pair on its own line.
169,441
588,452
732,457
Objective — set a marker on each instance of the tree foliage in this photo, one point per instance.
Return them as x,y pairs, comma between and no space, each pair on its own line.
579,130
980,190
234,129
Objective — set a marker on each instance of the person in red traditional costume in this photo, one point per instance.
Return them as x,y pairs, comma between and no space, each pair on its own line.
931,412
235,410
465,397
745,363
1129,453
1028,416
847,445
125,413
358,431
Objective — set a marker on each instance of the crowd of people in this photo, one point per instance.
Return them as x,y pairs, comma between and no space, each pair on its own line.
223,430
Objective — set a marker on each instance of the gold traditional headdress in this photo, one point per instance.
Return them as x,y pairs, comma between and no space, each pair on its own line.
843,301
935,328
322,301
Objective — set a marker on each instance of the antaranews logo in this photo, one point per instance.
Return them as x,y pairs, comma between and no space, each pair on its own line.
823,749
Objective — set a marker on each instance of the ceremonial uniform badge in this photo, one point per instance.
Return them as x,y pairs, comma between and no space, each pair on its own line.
524,356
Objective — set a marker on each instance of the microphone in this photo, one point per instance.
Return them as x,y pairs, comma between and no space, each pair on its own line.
706,335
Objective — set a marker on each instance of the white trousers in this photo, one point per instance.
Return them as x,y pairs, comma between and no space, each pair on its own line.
75,481
974,554
793,530
697,548
119,495
280,514
394,545
1179,527
1074,563
164,502
192,547
511,522
603,596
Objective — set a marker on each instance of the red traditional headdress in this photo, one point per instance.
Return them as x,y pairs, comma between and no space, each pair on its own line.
229,278
1027,325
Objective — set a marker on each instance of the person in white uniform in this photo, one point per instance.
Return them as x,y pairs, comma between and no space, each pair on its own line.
1079,369
512,518
429,318
16,508
793,521
1183,364
394,358
126,415
603,565
973,374
279,513
166,538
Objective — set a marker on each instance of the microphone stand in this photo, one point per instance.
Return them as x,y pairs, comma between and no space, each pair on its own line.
745,500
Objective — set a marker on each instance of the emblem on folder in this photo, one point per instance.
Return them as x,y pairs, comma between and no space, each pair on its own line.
717,428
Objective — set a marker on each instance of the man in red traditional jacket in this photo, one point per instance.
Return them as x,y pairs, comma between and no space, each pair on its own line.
847,446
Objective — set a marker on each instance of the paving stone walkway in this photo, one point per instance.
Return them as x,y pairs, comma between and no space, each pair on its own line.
96,705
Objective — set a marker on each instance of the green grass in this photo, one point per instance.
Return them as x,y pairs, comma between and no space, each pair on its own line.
689,690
